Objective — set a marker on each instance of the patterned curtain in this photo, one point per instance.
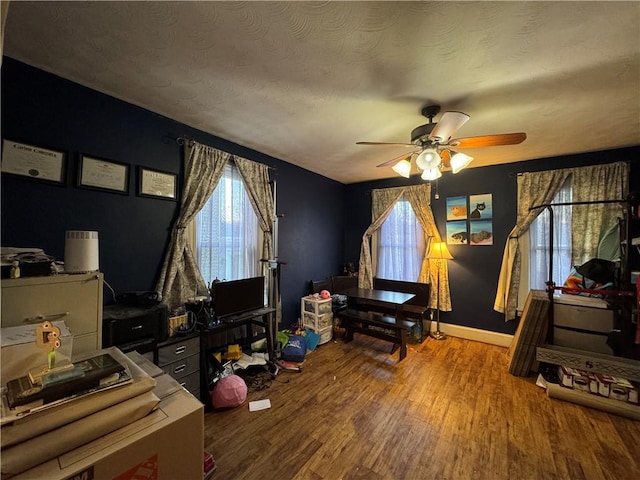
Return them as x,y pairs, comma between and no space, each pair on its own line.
256,181
420,199
596,183
4,9
382,202
538,188
180,277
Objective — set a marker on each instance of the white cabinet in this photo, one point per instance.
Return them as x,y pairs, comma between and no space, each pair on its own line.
582,323
317,314
76,299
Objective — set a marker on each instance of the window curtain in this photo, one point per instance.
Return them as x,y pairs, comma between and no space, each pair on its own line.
590,184
225,239
538,244
539,188
4,10
180,276
419,197
399,244
256,181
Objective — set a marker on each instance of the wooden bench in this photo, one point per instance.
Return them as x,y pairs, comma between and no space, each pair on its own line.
415,309
377,325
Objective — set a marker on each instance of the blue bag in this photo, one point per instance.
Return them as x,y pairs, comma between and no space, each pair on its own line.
295,349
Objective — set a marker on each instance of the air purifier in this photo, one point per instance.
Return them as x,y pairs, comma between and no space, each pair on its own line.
81,251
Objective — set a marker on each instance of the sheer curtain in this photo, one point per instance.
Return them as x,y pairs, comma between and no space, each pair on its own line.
400,244
539,242
227,231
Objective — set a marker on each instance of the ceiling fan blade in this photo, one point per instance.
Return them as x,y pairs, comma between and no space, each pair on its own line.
384,144
447,125
395,160
489,140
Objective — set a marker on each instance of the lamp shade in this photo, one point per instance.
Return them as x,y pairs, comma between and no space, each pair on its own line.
460,161
431,174
403,168
428,159
439,250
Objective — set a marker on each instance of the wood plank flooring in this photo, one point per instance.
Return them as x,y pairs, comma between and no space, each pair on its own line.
450,410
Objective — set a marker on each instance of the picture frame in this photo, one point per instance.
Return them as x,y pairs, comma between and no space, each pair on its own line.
33,162
101,174
157,184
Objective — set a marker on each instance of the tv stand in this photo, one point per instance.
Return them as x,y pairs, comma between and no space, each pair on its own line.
261,317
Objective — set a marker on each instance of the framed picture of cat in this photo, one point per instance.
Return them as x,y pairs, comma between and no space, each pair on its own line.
480,206
481,232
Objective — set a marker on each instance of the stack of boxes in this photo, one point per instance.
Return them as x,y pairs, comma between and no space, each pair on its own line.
317,315
616,388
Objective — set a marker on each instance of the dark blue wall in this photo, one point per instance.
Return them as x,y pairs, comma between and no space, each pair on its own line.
322,224
474,271
44,110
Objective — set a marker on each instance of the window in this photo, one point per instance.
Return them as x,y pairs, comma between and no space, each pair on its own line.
400,245
227,232
534,247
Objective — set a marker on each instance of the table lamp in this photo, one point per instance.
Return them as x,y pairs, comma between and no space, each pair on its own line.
438,251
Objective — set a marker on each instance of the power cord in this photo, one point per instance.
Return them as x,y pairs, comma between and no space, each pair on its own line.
113,293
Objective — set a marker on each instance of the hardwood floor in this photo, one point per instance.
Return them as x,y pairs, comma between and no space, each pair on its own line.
450,410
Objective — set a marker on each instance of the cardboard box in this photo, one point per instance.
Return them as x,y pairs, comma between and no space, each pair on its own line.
167,444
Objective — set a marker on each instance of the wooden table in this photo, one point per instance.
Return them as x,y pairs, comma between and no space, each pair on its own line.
378,308
383,298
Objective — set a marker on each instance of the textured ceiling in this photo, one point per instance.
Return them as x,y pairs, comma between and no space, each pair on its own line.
304,81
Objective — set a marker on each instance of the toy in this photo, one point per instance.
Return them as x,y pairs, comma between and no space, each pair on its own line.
325,294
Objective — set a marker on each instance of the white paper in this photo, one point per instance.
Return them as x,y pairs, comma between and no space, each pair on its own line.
259,405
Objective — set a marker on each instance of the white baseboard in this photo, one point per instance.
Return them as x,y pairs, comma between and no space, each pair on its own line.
484,336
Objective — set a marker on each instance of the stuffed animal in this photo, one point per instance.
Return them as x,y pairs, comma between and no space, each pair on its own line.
325,294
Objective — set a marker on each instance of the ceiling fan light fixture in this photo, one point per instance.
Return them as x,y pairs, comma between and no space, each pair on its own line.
431,174
460,161
402,168
428,159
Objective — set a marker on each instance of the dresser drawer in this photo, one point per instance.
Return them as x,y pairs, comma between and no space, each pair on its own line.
183,367
192,383
585,318
178,350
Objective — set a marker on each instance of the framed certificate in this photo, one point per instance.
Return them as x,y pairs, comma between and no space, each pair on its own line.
33,162
101,174
156,183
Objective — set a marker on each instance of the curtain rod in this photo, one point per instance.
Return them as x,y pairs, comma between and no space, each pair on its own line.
183,139
628,162
591,202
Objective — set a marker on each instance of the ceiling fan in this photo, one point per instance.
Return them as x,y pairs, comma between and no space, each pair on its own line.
433,145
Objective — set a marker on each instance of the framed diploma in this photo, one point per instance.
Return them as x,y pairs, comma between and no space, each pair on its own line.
155,183
101,174
33,162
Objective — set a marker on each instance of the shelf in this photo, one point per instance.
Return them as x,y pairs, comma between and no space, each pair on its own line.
590,361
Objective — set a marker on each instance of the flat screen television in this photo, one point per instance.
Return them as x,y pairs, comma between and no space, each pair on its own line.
238,296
